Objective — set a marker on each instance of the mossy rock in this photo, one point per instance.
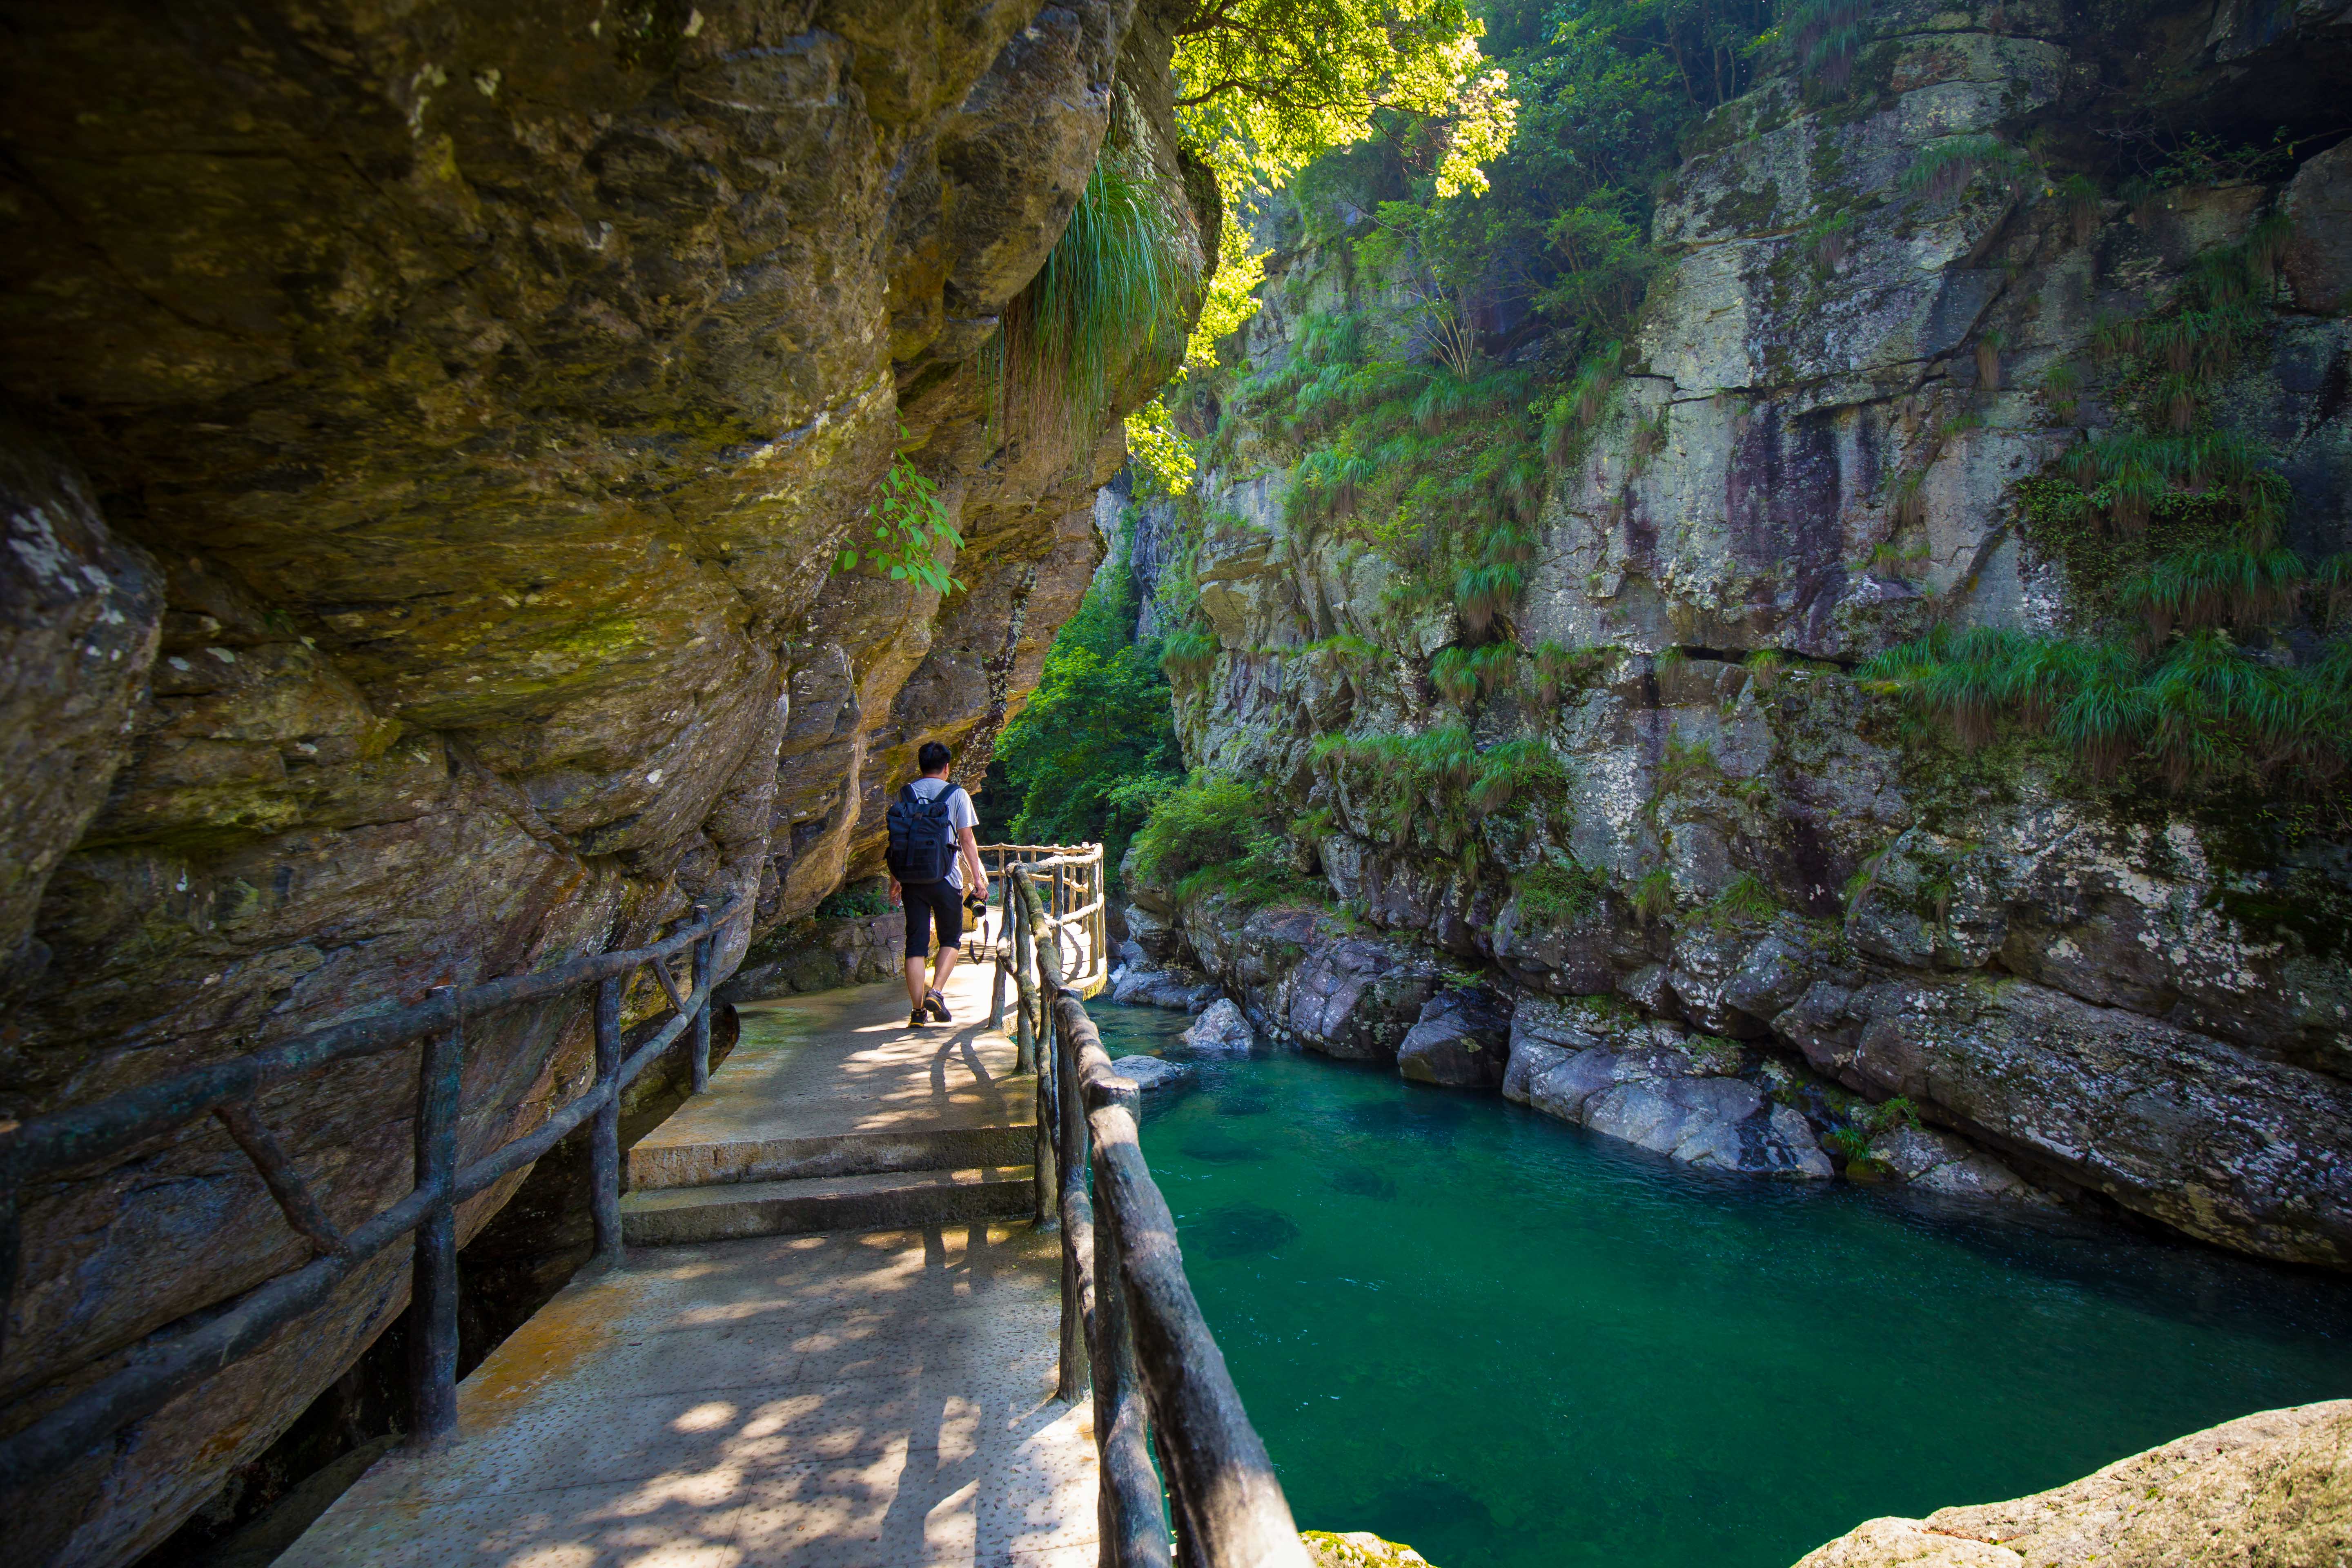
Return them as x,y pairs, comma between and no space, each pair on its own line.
1357,1549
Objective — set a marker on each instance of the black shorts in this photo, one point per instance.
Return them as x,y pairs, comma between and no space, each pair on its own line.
927,902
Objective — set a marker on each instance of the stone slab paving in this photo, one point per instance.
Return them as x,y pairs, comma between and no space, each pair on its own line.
830,1400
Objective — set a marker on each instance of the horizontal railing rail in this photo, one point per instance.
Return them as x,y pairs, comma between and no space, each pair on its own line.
1070,880
169,1361
1128,1315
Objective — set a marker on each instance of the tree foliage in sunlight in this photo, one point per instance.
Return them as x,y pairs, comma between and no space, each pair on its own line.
1268,84
1606,91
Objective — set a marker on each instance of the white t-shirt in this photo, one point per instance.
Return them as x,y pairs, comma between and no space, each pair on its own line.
960,815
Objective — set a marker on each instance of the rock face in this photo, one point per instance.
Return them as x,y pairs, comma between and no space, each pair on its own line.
2268,1491
433,432
818,954
1814,454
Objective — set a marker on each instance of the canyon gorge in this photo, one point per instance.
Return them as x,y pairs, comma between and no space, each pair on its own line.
1840,677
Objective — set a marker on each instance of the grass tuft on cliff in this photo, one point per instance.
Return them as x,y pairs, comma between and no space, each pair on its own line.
1109,295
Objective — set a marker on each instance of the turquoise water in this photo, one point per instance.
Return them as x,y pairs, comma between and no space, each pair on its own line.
1509,1343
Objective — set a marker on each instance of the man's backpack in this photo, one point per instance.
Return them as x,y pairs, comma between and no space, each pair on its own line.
922,836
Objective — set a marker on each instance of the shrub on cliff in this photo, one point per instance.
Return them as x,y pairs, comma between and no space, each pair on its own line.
1094,747
1212,832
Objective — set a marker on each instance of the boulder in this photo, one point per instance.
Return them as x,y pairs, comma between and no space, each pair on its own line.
2318,261
1150,1073
1678,1099
2203,1135
1221,1027
1462,1040
819,955
1357,998
1932,1161
1152,933
2268,1491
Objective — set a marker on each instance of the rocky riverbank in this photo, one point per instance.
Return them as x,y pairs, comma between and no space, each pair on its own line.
1642,842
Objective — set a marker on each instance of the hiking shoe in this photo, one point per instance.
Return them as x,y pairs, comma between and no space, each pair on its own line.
937,1005
917,1019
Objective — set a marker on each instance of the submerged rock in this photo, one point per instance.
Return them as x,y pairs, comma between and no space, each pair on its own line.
1462,1040
1177,990
1150,1073
1221,1027
2268,1491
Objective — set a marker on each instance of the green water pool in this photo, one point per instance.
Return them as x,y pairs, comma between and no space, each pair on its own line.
1510,1342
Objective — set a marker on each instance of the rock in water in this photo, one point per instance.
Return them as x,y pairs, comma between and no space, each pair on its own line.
1462,1040
1935,1161
1359,1549
1173,989
1655,1086
1221,1028
1150,1073
2267,1491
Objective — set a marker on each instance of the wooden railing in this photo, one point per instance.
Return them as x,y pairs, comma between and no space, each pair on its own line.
1161,1385
170,1361
1070,883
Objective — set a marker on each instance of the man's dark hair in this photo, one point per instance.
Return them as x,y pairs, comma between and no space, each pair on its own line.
932,758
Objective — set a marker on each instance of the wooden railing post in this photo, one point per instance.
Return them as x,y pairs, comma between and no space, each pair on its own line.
1049,1163
432,1267
1002,945
1070,1147
605,1138
1025,940
704,965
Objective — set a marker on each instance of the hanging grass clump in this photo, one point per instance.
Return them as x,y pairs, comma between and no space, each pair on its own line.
1110,294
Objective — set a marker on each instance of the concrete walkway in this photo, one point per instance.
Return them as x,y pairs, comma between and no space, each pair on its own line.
839,1400
833,1113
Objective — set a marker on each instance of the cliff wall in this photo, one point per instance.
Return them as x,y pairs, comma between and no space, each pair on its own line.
1653,797
429,434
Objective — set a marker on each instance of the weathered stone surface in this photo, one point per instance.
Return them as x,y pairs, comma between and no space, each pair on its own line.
2200,1134
1356,998
1221,1027
1461,1039
79,616
1179,990
1680,1103
2268,1491
1936,1162
819,955
489,390
2318,262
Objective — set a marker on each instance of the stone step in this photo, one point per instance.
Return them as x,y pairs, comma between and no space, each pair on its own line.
872,1200
729,1161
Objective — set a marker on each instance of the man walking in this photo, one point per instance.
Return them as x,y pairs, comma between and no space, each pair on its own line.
932,858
